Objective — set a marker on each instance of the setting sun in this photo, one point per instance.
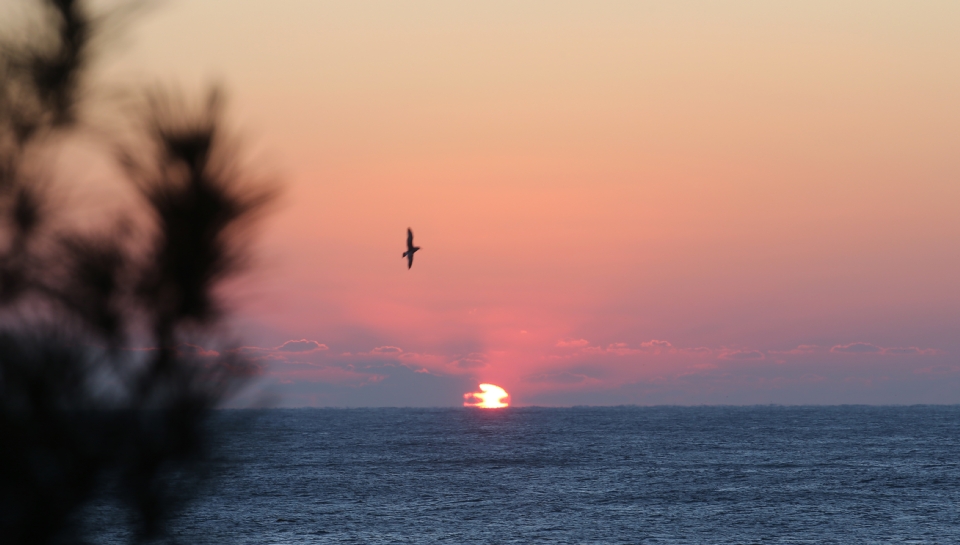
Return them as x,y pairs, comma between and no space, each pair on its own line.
489,397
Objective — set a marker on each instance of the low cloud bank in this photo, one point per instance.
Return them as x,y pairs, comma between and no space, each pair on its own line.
309,372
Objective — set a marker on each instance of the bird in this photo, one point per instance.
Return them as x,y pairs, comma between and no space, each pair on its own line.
410,248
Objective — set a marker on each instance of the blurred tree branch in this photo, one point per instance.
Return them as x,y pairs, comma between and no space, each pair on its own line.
98,396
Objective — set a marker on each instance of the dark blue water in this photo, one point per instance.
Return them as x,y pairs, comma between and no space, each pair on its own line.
587,475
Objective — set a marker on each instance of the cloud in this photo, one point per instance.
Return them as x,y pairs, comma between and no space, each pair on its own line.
868,348
902,351
386,385
295,349
621,349
474,360
938,370
303,345
385,350
857,348
742,355
194,350
329,374
294,354
563,377
801,349
911,350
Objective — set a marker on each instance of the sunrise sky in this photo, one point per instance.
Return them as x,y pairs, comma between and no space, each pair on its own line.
617,202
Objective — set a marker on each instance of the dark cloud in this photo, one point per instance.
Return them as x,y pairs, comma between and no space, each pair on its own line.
868,348
387,385
187,349
911,350
564,377
908,350
697,350
801,349
303,345
742,355
472,361
382,350
249,351
857,348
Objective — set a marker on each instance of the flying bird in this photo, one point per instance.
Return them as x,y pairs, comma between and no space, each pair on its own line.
410,248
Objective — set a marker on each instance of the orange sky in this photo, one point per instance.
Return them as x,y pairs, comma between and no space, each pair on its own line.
618,202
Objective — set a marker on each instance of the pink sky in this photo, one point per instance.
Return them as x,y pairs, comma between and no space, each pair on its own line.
630,202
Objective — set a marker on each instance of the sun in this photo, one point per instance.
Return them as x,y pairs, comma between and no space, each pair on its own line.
490,396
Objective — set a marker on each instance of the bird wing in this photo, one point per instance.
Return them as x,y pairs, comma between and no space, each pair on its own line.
410,260
409,238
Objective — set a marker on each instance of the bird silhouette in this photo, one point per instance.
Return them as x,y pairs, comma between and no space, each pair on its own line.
410,248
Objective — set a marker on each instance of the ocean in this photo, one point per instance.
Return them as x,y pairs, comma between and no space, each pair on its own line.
658,475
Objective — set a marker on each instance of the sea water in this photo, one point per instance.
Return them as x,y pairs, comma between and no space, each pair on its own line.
849,474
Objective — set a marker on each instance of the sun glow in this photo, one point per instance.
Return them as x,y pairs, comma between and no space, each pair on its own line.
489,397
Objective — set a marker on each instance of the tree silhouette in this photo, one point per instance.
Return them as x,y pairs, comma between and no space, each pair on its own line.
102,394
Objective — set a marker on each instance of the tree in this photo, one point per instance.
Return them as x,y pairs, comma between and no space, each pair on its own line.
101,392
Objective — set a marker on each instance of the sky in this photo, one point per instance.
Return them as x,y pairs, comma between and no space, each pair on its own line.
660,202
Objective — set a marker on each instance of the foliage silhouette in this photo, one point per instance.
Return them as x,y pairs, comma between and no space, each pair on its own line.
87,413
